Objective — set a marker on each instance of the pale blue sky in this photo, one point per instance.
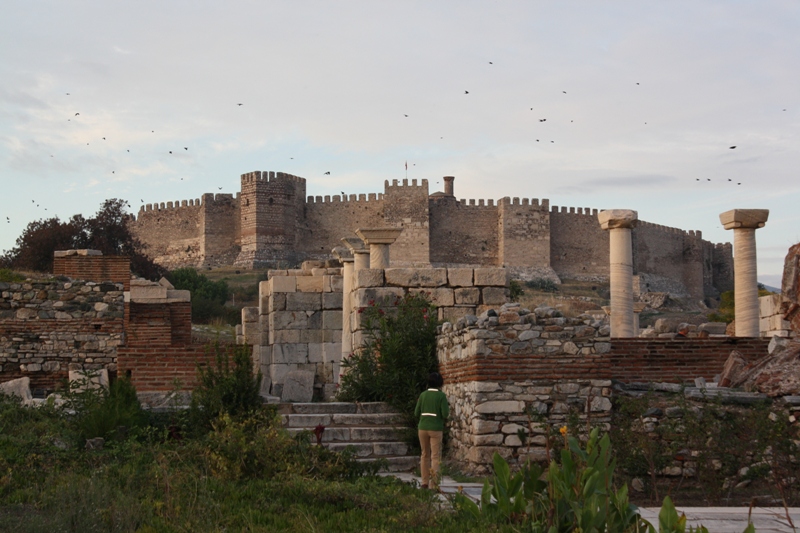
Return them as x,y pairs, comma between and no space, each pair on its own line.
656,92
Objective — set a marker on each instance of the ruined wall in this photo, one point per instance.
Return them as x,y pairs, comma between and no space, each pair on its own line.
50,327
329,219
463,233
579,249
722,267
669,253
406,206
92,265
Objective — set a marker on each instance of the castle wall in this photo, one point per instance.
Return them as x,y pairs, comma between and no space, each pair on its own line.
329,219
669,253
406,206
463,233
722,267
579,248
524,238
172,233
271,207
221,227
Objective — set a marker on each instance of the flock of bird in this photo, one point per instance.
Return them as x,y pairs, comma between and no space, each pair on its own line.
328,173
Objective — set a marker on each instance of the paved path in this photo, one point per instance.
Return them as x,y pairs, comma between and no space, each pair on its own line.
715,519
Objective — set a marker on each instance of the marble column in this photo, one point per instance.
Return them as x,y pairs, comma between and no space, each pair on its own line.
345,256
619,223
638,307
744,223
379,240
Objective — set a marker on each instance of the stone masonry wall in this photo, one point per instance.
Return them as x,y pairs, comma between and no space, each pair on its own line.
332,218
172,232
48,328
462,233
524,235
578,246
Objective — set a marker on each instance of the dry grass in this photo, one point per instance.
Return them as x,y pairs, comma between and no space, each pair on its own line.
573,297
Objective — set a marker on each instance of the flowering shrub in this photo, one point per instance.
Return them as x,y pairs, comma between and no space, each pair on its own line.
399,352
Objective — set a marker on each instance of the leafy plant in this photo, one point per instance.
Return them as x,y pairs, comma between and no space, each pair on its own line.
105,412
208,297
397,356
515,290
227,387
8,275
542,284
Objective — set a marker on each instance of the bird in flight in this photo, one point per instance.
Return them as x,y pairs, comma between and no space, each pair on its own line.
170,151
565,92
637,83
104,138
185,148
466,92
67,94
240,104
342,193
328,173
76,114
220,188
732,147
491,63
542,120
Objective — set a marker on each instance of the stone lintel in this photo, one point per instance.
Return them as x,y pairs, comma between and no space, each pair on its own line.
744,218
343,254
618,218
355,245
379,235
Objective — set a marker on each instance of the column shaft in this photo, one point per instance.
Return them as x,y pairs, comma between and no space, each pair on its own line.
379,256
621,274
745,282
347,334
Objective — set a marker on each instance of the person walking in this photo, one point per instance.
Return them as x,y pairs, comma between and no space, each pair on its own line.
432,410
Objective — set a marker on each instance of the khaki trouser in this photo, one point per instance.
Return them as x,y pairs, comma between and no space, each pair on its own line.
431,442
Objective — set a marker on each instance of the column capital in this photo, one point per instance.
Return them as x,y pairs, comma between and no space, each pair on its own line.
379,235
744,218
618,218
355,245
342,254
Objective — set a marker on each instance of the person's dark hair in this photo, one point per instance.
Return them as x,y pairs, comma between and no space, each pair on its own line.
435,380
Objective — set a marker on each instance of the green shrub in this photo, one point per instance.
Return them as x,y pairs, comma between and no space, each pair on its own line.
543,285
397,356
228,387
105,412
515,290
208,297
9,276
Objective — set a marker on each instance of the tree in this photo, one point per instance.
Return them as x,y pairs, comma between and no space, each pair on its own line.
208,297
107,231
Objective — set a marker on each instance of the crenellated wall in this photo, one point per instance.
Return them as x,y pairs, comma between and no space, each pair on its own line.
273,224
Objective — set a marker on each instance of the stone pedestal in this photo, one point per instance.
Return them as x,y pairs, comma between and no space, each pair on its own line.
619,223
379,240
744,223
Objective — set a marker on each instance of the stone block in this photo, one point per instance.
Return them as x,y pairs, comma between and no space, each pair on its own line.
288,320
441,297
452,314
713,328
485,386
332,300
309,283
273,302
285,336
291,353
80,380
249,314
600,404
26,313
304,301
481,427
490,277
500,406
770,304
513,440
367,277
332,352
492,439
376,295
264,288
332,320
20,387
467,296
282,284
460,277
315,353
493,295
179,296
265,355
310,336
337,283
298,386
153,291
416,277
278,372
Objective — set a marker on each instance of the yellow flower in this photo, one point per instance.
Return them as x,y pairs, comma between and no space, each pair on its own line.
563,430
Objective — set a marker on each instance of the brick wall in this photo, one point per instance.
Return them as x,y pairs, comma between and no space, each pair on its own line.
116,269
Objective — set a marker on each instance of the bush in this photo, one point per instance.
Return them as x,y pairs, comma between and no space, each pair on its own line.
225,388
208,297
9,276
398,355
541,284
107,413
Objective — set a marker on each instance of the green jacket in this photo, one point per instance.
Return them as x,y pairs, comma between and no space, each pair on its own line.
432,410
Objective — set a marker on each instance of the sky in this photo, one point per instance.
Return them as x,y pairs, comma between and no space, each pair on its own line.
608,105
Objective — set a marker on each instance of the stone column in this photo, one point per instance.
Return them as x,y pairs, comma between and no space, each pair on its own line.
619,223
345,255
378,240
744,223
638,307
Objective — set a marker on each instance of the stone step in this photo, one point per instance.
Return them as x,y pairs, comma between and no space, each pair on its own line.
334,407
371,449
340,419
405,463
356,434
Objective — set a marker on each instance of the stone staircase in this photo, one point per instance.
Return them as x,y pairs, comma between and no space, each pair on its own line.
372,429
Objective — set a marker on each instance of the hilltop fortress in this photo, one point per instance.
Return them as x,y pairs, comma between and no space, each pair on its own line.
271,223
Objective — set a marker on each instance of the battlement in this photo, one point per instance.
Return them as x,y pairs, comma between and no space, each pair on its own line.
471,203
585,211
396,183
668,229
353,198
178,204
267,176
530,202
